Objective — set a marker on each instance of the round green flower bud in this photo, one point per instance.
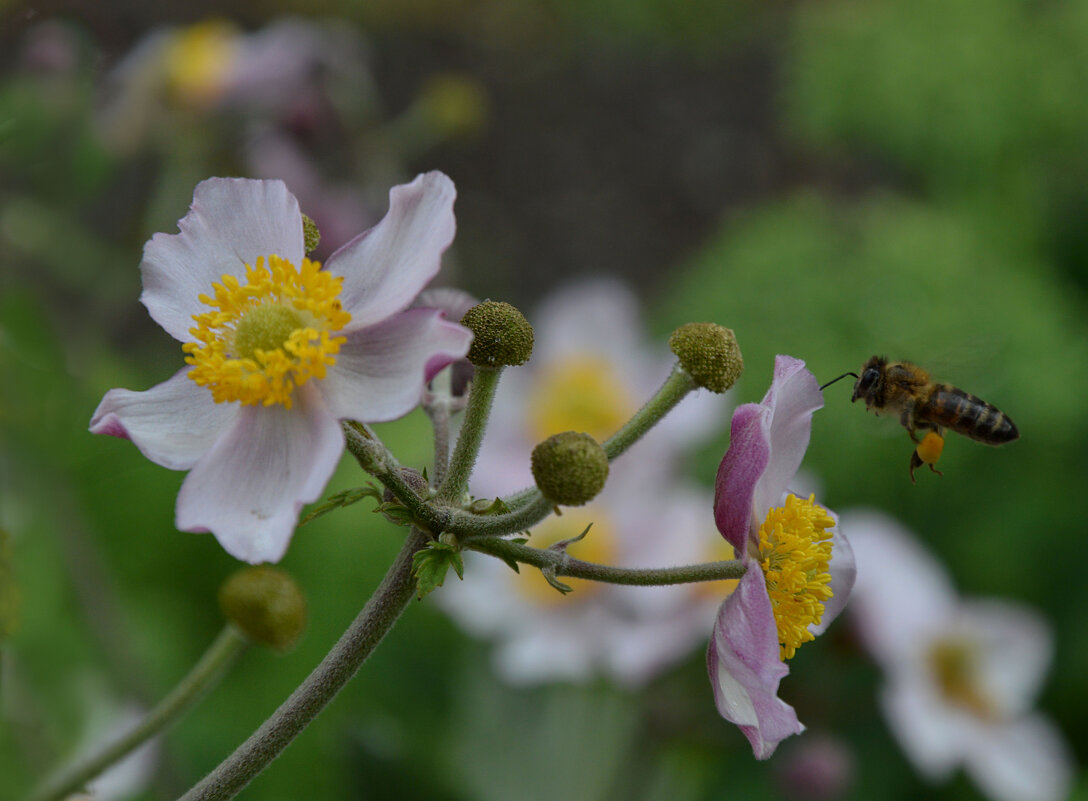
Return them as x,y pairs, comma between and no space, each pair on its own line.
266,604
311,237
709,353
570,468
502,337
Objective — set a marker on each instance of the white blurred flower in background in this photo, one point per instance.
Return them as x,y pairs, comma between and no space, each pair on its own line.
591,369
961,675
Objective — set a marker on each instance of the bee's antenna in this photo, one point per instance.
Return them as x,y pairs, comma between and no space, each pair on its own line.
833,380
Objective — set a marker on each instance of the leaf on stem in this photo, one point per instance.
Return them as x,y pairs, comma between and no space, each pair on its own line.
343,498
430,565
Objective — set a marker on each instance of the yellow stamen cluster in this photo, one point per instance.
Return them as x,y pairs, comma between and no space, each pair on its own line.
267,336
795,545
579,394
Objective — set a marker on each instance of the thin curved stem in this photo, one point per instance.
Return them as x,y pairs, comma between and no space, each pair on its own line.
321,686
212,665
558,563
675,388
480,397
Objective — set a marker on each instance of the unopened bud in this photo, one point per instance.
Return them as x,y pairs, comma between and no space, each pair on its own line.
708,353
570,468
266,604
502,337
311,237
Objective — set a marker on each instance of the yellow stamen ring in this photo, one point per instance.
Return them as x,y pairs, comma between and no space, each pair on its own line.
795,546
268,336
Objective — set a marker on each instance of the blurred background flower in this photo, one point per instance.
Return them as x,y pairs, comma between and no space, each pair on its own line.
961,676
831,179
591,369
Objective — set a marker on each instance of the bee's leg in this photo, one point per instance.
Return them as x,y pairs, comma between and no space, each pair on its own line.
927,452
906,419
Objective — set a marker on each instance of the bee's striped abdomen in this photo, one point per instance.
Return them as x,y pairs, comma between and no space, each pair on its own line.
969,415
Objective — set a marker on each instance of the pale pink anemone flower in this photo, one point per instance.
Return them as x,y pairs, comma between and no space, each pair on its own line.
260,434
772,611
961,676
627,634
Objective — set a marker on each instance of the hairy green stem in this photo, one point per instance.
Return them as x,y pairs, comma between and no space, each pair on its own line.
321,686
466,525
558,563
675,388
438,404
212,665
440,424
481,394
377,460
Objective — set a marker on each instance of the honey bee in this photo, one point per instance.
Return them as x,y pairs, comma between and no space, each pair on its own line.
924,405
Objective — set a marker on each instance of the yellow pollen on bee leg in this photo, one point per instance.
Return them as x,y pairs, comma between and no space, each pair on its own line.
929,449
795,545
264,338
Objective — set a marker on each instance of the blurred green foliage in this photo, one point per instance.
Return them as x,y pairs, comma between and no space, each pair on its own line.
937,211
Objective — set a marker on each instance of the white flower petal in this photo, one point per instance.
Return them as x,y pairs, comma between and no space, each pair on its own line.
1027,760
387,266
599,315
1015,646
231,223
249,488
173,424
902,596
381,370
933,736
844,573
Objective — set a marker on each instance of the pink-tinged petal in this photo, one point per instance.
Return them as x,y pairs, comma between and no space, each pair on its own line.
1026,760
173,424
893,566
380,372
793,397
745,668
231,223
387,266
742,466
844,573
249,488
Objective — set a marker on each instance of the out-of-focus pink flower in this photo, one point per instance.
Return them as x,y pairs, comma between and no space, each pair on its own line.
628,634
590,370
961,675
800,568
280,350
815,768
277,72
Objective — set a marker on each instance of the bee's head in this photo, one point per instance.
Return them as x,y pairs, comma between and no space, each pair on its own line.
872,376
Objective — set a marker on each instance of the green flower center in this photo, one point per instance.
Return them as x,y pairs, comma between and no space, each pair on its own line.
265,328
